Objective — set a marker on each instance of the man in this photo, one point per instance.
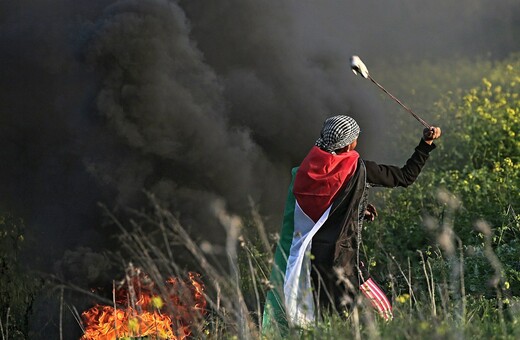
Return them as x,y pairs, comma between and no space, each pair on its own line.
326,205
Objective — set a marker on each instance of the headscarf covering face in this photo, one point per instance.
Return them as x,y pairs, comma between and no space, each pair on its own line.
338,132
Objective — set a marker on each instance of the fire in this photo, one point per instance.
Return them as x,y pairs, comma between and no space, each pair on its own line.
146,309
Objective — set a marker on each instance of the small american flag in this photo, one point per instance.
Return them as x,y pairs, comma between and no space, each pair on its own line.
377,298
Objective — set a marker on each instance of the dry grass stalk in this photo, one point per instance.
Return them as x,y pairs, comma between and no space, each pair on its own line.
5,334
485,229
409,284
429,283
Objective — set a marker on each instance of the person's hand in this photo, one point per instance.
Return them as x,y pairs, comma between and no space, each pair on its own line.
429,135
370,212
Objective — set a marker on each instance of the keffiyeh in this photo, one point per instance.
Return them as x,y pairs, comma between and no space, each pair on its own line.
338,132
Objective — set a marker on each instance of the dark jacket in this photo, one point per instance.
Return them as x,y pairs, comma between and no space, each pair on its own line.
336,243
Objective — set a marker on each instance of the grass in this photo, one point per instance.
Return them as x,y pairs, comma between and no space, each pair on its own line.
427,305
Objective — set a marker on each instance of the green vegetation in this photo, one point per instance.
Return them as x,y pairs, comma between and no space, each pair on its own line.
17,287
477,164
446,248
463,210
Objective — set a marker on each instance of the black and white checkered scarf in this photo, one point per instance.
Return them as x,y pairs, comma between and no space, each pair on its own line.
337,132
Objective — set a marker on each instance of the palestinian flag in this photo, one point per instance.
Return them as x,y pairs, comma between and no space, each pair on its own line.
318,181
290,301
315,184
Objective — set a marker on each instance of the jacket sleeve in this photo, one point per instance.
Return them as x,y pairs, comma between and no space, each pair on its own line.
392,176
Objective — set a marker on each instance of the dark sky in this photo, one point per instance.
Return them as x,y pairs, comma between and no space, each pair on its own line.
196,101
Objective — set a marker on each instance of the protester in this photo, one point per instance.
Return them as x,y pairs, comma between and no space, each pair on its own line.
325,209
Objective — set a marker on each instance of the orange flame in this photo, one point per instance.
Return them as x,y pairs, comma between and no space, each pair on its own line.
145,312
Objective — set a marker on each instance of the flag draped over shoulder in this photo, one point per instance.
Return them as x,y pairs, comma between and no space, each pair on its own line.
320,179
314,187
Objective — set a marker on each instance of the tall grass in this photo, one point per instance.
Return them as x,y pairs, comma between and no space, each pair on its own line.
433,304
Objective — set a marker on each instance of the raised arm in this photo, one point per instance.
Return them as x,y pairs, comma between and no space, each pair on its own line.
392,176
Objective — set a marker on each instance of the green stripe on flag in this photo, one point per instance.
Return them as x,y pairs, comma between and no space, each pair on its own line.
274,319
